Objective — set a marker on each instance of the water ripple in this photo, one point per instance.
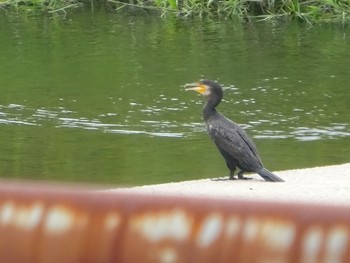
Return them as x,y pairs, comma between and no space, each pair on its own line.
307,133
9,121
137,121
311,134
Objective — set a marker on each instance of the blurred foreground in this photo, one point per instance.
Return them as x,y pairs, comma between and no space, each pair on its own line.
46,223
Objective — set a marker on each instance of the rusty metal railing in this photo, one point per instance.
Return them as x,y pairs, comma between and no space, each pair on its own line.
41,223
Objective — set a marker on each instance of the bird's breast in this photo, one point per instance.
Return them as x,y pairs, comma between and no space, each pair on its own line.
213,131
211,127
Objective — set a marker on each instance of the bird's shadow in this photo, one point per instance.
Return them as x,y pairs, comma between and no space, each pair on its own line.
228,179
220,179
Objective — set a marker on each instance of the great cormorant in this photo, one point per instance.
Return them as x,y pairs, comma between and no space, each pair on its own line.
231,140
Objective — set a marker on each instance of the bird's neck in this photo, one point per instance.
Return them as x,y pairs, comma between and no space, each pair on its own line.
210,109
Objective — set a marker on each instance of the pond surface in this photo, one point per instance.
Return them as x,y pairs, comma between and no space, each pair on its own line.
98,97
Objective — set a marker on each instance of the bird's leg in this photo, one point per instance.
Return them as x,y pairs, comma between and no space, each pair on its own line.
241,176
232,172
232,175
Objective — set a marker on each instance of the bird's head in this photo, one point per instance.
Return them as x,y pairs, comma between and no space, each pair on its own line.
208,88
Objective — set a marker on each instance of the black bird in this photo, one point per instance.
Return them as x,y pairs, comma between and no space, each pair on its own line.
231,140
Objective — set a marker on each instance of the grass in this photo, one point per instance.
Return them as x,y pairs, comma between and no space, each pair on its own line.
49,6
309,11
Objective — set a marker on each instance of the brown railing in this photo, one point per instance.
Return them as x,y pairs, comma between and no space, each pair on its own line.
40,223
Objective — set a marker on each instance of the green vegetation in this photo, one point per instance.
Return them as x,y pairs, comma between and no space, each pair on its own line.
50,6
310,11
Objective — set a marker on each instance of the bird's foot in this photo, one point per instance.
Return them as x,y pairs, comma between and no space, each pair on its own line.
232,177
244,178
240,178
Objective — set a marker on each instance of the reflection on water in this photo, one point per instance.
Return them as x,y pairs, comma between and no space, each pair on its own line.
107,122
60,117
131,118
100,97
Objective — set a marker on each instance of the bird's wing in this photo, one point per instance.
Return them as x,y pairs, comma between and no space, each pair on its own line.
249,142
233,140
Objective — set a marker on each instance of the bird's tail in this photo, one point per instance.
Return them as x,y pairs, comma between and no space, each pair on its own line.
268,176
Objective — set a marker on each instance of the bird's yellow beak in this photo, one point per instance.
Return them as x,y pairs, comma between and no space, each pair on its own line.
199,87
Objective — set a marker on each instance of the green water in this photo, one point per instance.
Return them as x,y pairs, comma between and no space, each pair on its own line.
99,97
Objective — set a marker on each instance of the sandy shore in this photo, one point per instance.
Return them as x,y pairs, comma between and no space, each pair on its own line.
327,185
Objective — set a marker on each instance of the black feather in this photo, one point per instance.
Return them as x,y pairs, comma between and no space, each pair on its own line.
234,144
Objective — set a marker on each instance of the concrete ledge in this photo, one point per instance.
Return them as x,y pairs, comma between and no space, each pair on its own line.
322,185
